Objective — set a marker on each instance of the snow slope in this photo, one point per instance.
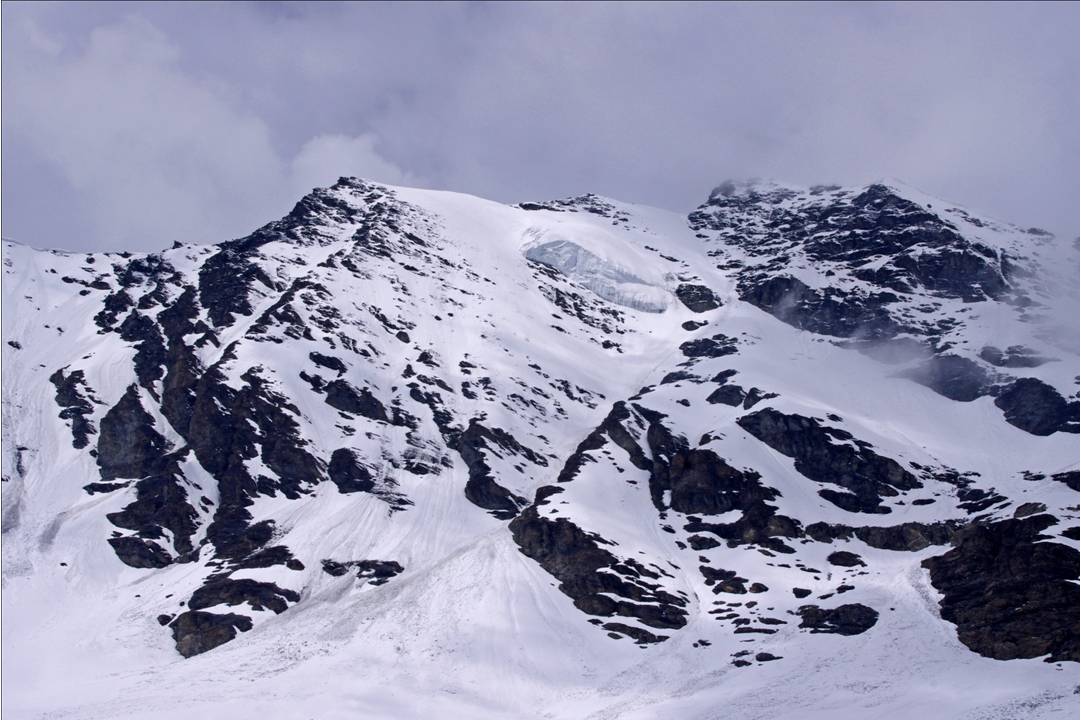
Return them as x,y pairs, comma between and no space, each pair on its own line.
408,452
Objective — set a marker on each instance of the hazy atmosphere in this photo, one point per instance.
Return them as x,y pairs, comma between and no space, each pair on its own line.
130,126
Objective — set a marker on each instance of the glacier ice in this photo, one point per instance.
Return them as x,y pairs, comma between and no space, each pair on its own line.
610,276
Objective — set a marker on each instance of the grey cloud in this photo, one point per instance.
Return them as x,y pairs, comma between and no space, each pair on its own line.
134,125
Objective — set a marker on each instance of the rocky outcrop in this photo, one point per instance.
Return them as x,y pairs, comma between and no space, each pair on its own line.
597,581
481,489
830,455
74,396
347,472
197,632
376,572
697,298
711,347
1010,592
357,401
138,553
851,619
827,311
230,591
1037,408
129,446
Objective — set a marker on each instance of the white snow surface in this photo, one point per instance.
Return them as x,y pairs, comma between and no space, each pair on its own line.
472,628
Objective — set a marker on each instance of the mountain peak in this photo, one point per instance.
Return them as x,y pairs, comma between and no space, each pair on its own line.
482,458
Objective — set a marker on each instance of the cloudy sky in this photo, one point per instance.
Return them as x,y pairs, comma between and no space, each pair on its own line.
131,126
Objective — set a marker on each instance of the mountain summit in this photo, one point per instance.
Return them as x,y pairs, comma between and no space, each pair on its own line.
804,452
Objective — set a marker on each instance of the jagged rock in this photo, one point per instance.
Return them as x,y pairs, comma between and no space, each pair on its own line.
327,361
821,456
482,490
377,572
346,471
358,401
1036,407
197,632
229,591
716,346
72,395
724,581
129,446
139,553
1009,594
591,576
827,311
852,619
910,536
843,558
1071,479
732,395
697,298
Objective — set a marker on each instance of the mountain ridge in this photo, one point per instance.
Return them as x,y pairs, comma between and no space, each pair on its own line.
285,429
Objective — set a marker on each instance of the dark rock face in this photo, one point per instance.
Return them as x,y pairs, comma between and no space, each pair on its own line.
712,347
851,619
225,280
727,394
599,582
259,595
898,254
952,376
576,559
760,524
481,489
327,361
909,537
724,581
828,311
138,553
1009,594
347,473
129,446
230,425
1036,408
150,351
196,632
73,395
843,558
357,401
161,504
697,298
1071,479
376,572
701,483
866,475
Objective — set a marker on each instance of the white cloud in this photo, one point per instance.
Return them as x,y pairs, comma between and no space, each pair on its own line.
156,154
325,158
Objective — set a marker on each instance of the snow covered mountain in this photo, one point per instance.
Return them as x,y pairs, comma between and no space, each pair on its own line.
804,453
